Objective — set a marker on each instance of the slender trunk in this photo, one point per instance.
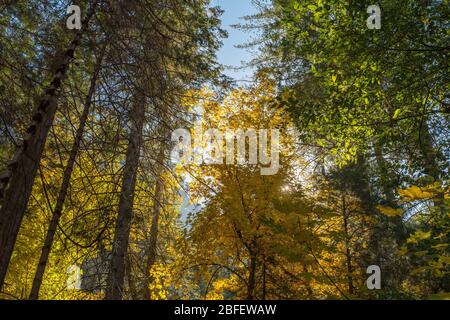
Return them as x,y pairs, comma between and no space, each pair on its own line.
151,255
348,256
131,281
363,192
428,153
114,290
251,276
430,162
264,289
382,166
362,187
17,181
56,214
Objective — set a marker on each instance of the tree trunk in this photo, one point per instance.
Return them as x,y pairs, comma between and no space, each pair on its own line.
430,162
151,255
16,181
131,281
114,290
348,256
264,288
382,167
251,276
56,213
363,192
428,153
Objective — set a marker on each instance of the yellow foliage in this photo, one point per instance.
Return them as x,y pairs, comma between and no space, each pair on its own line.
389,211
419,235
416,193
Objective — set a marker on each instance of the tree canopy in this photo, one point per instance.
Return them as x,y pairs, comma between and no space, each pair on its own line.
132,168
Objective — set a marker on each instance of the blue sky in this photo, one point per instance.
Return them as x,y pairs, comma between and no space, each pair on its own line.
229,55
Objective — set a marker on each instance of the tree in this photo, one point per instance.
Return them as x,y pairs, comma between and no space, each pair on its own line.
57,211
17,180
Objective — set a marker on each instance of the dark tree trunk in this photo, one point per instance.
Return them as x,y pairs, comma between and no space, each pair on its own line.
428,152
153,241
17,181
383,168
131,281
264,289
56,214
362,190
115,283
252,276
430,162
348,255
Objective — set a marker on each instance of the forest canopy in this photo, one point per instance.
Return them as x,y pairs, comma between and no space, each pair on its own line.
133,168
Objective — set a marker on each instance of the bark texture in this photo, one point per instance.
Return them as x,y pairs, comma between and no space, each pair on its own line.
57,211
16,181
116,277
